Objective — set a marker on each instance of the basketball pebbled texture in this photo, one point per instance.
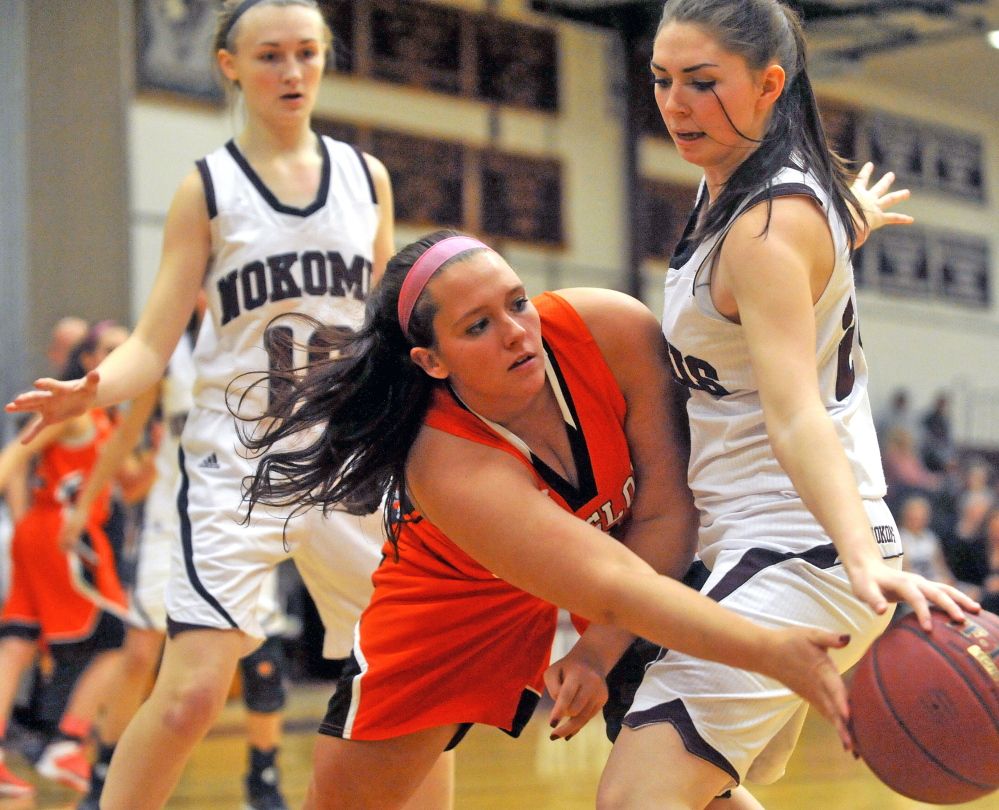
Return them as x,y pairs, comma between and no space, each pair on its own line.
925,708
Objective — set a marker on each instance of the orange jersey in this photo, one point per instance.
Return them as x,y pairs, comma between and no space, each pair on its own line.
445,641
42,596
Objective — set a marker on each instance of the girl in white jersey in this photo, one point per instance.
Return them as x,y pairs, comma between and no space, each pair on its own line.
278,220
760,316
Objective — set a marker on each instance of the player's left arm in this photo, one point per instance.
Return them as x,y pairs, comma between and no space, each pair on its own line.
775,278
384,245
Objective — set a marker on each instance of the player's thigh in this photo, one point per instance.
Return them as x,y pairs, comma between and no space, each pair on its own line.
681,781
373,774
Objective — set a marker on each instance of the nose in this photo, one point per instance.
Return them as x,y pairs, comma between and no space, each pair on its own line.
513,332
292,69
670,100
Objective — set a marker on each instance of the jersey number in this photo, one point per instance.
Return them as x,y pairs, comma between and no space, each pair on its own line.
280,344
846,375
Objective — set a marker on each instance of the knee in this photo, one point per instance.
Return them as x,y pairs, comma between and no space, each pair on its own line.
192,707
140,658
263,684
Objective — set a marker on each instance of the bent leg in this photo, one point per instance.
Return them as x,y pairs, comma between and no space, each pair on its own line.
16,655
190,691
130,685
374,774
631,780
436,792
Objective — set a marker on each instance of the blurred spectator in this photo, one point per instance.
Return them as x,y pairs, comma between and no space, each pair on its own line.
967,551
923,553
905,473
896,415
938,446
66,334
990,592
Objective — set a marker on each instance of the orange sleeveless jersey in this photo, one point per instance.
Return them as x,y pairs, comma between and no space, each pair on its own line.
42,596
443,640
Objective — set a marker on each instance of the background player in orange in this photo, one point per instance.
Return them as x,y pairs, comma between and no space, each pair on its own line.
513,436
44,603
280,219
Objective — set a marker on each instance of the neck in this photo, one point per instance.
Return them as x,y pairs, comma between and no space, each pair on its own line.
271,140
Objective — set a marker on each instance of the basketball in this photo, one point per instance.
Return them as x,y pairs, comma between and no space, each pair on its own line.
925,708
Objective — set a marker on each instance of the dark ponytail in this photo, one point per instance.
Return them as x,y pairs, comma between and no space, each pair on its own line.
763,32
338,433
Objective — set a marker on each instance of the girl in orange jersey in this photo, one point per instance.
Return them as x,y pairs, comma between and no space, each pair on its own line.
511,437
43,603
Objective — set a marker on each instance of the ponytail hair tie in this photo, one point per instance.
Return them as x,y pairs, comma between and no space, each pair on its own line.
424,267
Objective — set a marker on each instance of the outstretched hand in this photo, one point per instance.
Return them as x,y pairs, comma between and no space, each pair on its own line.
579,690
877,584
801,662
54,401
876,201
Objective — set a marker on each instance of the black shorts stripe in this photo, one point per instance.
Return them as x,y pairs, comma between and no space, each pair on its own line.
338,707
756,559
675,713
188,544
29,632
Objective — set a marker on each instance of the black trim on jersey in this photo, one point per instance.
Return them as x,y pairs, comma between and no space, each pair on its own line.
338,707
267,194
675,713
784,190
686,246
206,181
188,545
575,496
367,173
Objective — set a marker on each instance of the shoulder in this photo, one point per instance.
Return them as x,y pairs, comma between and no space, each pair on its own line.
190,196
626,332
612,317
379,177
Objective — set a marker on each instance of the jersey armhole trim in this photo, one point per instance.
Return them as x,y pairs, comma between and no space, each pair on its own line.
206,181
367,173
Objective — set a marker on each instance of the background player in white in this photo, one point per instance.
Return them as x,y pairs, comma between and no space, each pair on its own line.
760,315
277,221
262,671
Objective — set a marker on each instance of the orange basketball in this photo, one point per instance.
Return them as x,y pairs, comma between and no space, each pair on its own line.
925,708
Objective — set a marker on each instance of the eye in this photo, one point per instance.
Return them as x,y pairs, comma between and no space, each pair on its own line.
478,327
703,86
519,304
662,82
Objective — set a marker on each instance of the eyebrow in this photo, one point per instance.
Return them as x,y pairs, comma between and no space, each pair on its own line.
686,69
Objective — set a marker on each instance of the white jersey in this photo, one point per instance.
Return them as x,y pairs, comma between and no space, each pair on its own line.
733,470
175,403
269,259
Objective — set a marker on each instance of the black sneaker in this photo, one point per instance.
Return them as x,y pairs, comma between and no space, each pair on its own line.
262,791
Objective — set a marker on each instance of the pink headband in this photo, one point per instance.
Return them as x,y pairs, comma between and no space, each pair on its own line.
424,267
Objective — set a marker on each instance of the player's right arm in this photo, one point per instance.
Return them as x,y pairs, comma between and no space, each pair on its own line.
139,362
488,504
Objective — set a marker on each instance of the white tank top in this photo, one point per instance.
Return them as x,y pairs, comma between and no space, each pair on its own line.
175,403
269,259
732,465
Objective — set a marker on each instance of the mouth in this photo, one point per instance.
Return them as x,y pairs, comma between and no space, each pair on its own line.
520,361
292,96
687,137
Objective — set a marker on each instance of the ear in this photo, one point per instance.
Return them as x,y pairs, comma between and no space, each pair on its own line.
771,85
427,360
227,65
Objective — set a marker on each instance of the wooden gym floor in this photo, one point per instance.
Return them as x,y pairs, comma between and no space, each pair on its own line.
499,773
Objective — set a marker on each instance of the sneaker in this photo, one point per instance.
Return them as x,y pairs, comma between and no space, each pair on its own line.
11,787
64,762
262,792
